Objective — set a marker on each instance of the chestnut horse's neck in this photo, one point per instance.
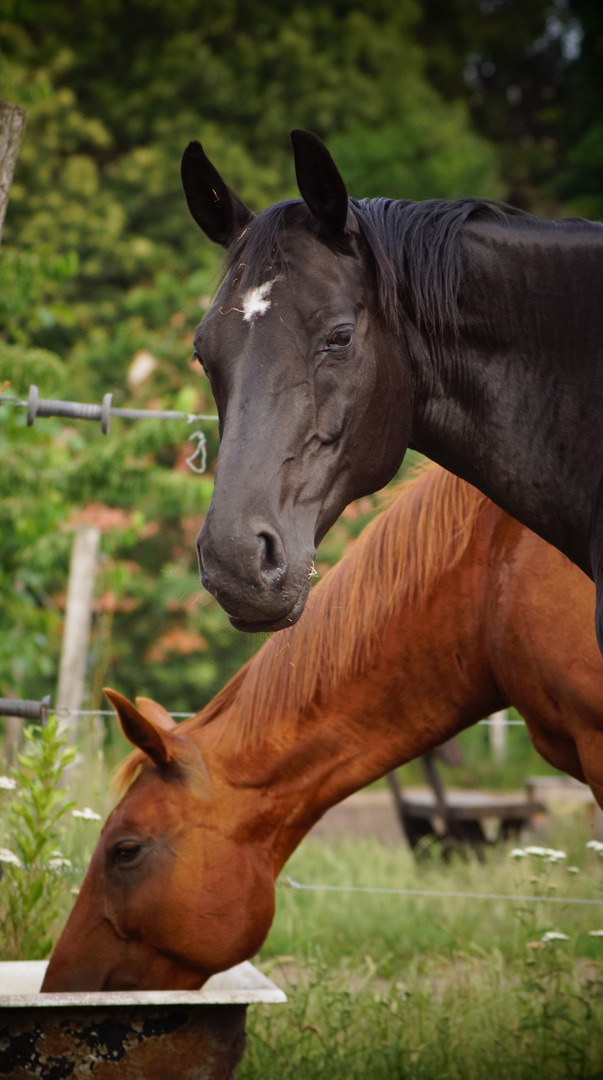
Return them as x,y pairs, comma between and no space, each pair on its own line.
420,674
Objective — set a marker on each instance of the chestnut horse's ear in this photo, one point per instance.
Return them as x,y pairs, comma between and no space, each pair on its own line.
214,206
320,183
155,712
140,730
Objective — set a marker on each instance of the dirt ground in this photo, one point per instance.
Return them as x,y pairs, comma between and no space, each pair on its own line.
364,814
372,813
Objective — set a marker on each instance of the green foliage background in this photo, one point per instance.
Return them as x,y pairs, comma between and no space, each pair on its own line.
100,260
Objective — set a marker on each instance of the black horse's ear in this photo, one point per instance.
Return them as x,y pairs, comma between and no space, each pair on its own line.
214,206
320,183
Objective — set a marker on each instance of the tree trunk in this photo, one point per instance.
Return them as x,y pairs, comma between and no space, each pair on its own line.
12,126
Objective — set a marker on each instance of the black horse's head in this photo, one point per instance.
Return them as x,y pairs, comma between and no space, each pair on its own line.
310,378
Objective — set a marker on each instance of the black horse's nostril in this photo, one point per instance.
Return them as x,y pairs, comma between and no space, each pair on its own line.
272,557
257,590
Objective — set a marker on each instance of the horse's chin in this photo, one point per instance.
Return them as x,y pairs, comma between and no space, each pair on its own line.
268,626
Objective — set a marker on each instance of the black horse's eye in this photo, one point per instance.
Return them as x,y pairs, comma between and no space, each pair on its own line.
126,851
199,360
340,338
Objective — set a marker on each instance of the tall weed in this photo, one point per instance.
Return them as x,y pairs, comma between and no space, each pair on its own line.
32,864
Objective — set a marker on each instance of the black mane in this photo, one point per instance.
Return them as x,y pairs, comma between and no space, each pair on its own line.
415,249
421,242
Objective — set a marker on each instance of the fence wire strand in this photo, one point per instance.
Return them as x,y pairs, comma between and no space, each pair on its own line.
289,882
66,713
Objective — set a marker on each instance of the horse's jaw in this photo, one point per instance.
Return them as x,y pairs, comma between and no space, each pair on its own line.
63,979
103,960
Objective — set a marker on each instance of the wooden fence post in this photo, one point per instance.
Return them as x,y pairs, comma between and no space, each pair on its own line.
12,126
13,738
498,736
78,617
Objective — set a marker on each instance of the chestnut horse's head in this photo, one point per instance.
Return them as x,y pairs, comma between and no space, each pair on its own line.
172,895
311,380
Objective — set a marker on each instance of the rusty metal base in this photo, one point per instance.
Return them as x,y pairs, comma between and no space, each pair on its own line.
130,1042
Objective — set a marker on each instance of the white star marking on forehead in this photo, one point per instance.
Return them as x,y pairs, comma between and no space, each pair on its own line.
255,302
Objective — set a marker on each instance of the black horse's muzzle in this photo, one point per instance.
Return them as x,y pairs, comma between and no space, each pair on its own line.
256,586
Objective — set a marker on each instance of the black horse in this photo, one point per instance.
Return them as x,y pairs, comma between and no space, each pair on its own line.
345,331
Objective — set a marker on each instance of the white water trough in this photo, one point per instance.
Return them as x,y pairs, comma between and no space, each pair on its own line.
133,1035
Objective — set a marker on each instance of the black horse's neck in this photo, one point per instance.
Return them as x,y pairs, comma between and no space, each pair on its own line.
469,329
503,398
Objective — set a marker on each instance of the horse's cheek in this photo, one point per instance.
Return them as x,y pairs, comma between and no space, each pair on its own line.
136,903
332,406
379,439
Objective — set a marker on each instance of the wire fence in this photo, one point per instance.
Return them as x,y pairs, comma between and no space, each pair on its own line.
38,407
81,410
288,882
69,869
39,710
35,710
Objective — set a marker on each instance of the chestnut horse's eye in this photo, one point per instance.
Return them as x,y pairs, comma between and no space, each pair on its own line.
126,851
340,338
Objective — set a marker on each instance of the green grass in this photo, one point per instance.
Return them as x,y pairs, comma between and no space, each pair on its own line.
386,986
414,987
479,769
470,1019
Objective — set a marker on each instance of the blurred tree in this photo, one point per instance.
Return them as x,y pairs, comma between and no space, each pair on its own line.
101,265
581,178
531,74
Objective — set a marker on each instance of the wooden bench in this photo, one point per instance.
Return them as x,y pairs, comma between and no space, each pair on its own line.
456,818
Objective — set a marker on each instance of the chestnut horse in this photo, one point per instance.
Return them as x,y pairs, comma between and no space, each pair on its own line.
345,331
444,611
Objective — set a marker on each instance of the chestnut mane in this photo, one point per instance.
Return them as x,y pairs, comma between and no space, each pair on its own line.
398,557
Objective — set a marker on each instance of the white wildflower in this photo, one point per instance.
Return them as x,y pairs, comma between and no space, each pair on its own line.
550,854
87,814
595,845
573,869
7,783
554,935
595,933
58,862
518,853
10,857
